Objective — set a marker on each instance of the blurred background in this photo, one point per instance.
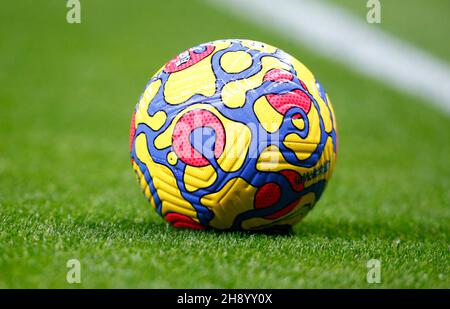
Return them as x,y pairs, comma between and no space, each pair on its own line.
67,189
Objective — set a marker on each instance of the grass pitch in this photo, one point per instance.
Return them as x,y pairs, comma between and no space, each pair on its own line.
67,189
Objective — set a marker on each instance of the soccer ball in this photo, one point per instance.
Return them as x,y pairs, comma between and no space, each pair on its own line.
233,134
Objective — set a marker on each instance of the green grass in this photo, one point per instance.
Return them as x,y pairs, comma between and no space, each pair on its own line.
67,189
422,23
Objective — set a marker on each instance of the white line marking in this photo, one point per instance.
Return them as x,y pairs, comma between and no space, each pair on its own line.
338,35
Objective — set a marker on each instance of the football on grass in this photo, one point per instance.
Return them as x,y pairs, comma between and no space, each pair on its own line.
233,134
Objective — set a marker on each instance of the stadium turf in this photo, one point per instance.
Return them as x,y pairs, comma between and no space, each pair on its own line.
67,189
422,23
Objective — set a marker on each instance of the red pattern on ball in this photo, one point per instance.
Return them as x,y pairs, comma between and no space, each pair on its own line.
283,102
267,195
132,130
278,75
282,212
183,222
295,180
191,58
181,136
